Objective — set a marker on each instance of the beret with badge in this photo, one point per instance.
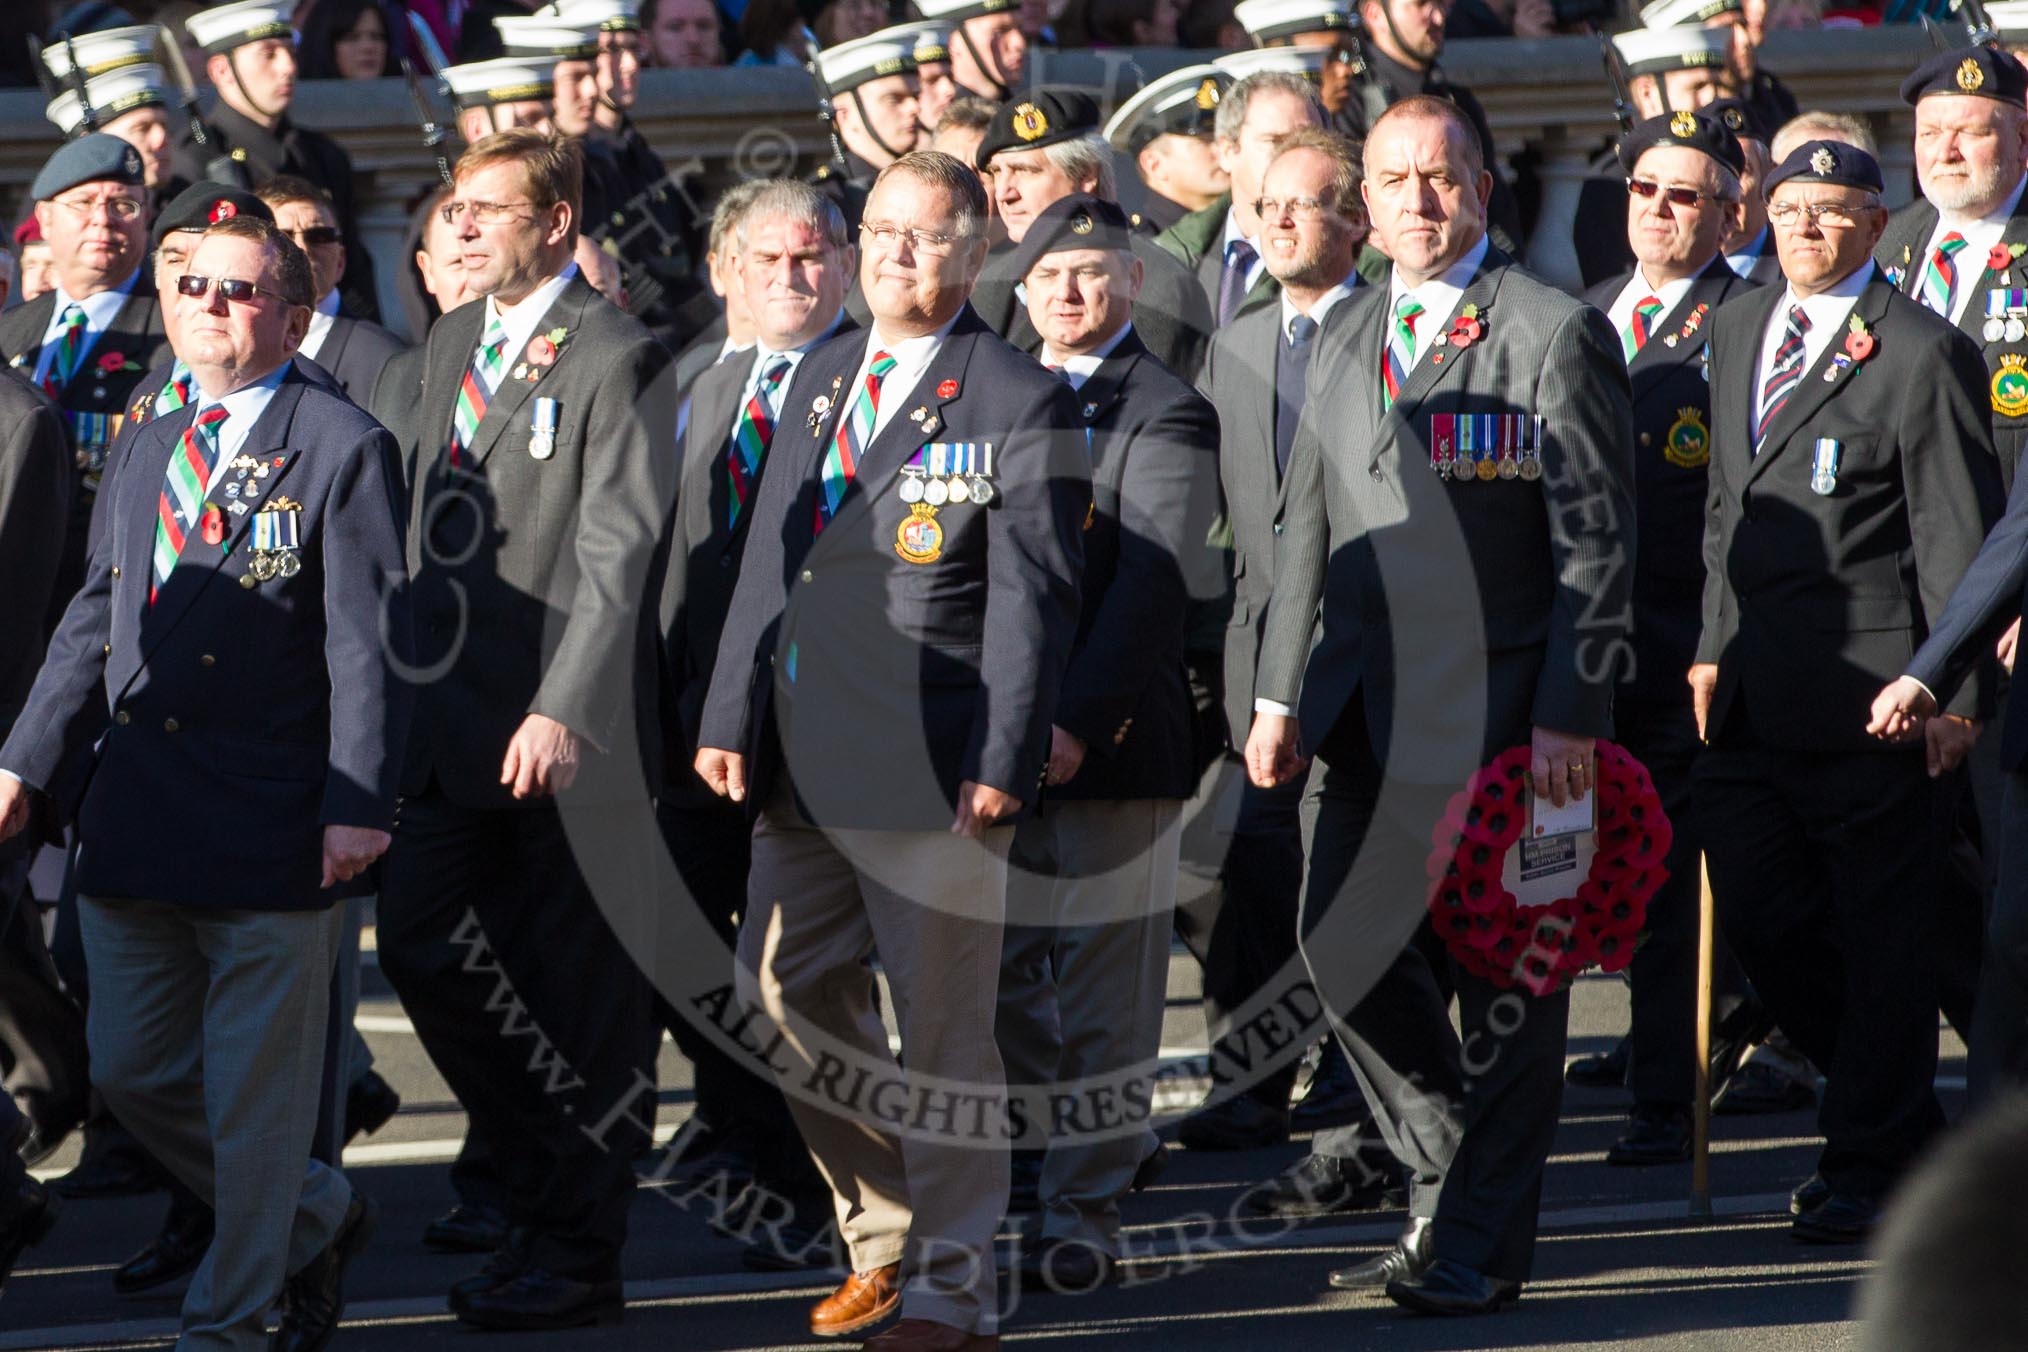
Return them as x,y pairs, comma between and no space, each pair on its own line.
93,158
1042,117
1981,72
204,204
1738,117
1079,221
1692,131
1833,162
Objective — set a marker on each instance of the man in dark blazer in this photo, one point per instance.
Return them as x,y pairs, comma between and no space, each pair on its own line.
1846,501
352,350
255,540
540,480
1463,611
798,263
1311,257
882,702
87,341
1092,892
1686,170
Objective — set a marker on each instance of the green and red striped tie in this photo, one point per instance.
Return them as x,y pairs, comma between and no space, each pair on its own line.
183,488
1940,274
751,438
1643,319
176,394
481,379
69,351
841,461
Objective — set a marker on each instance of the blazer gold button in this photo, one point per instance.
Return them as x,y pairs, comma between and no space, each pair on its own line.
808,576
170,725
116,570
123,718
1377,475
207,660
1645,439
109,650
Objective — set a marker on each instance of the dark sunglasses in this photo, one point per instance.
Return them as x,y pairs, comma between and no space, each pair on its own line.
1675,197
314,235
232,288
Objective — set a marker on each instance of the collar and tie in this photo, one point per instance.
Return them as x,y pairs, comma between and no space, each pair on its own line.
841,457
1399,359
1940,274
175,394
181,506
69,352
756,431
1232,285
1292,366
1640,324
1786,374
482,378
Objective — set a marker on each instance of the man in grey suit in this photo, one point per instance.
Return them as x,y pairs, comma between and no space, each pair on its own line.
1470,600
352,350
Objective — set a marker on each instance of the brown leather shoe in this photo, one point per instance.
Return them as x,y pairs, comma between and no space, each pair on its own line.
926,1335
864,1300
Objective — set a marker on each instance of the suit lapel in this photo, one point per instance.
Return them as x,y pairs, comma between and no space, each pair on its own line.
505,406
1440,358
1102,391
1900,251
904,434
452,340
717,405
1679,337
333,351
1824,378
115,339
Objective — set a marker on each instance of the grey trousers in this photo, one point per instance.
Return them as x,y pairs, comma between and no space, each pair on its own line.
207,1040
1091,899
916,1158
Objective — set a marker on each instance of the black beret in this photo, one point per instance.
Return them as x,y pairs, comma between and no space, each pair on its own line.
1980,71
97,158
1834,162
1738,117
1079,221
1043,117
1692,131
203,204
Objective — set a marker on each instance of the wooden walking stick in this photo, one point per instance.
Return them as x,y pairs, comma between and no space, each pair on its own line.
1700,1140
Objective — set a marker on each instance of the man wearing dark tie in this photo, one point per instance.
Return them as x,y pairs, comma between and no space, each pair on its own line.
1847,500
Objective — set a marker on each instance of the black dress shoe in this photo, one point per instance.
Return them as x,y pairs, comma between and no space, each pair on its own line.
26,1215
468,1227
313,1299
1841,1218
369,1105
1657,1133
1333,1098
1409,1258
1599,1072
1151,1167
1066,1267
539,1299
1810,1194
506,1263
173,1253
1452,1288
1319,1185
1757,1088
1242,1122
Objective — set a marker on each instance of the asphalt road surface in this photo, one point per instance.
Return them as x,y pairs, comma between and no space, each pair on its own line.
1620,1264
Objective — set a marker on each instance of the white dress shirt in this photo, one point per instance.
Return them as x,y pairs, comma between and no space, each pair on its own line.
1225,239
1980,236
1318,308
1082,367
521,318
99,312
1742,263
1438,297
912,356
321,316
1637,290
1827,310
243,408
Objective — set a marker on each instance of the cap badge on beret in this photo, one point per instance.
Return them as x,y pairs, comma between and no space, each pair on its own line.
1970,77
1207,94
1029,123
1080,224
1733,119
1823,161
1683,125
222,210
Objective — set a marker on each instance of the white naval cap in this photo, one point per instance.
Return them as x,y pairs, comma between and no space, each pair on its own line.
115,92
2010,17
848,65
1183,101
957,11
1267,20
1649,51
1304,61
933,41
506,79
224,27
105,50
547,35
1674,13
608,16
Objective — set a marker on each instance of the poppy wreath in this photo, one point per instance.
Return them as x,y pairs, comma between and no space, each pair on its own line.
1543,948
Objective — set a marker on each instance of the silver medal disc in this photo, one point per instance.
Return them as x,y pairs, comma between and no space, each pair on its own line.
2016,330
911,488
1531,469
1821,483
287,564
541,445
1994,330
935,493
982,489
1508,469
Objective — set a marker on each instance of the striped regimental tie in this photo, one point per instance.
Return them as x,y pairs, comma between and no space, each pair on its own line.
183,488
841,461
1399,358
1940,274
1638,326
750,440
69,351
1786,375
481,379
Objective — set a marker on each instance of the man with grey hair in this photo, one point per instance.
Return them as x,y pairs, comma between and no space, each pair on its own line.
1218,243
1037,152
796,262
1819,124
731,330
881,706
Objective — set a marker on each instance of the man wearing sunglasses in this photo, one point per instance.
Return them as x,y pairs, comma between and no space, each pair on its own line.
1852,479
231,661
352,350
1683,182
